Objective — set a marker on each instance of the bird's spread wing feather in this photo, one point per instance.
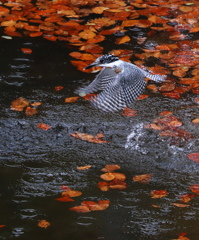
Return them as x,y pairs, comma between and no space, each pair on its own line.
100,82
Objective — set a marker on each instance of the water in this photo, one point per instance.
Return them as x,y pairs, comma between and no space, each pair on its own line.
36,163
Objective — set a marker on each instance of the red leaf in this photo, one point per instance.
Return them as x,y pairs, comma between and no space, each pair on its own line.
64,199
43,126
194,157
129,112
1,226
58,88
195,188
26,50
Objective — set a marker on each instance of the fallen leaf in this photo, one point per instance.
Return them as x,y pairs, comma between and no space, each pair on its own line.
155,206
143,96
129,112
144,178
1,226
119,176
158,193
29,111
90,96
71,99
88,137
84,167
180,205
43,224
103,186
19,104
35,104
123,39
71,193
186,197
58,88
117,184
194,157
195,188
107,176
81,209
110,168
64,199
43,126
26,50
195,121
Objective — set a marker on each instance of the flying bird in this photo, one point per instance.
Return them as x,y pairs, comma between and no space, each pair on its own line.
120,83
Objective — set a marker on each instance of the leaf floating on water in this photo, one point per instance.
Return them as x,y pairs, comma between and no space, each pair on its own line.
1,226
107,176
81,209
43,126
88,137
30,111
144,178
58,88
129,112
64,199
90,96
158,193
84,167
180,205
71,193
195,188
26,50
194,157
110,168
19,104
71,99
43,224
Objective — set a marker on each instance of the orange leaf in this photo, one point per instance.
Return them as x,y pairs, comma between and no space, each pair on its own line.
58,88
64,199
108,176
144,178
195,121
186,197
87,34
71,193
71,99
117,184
19,104
129,112
103,186
123,39
141,97
158,193
30,111
180,205
1,226
26,50
43,126
110,168
172,95
194,157
88,137
84,167
82,209
43,224
119,176
195,188
36,104
89,96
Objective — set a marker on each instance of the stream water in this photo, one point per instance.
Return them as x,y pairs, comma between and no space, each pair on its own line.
36,163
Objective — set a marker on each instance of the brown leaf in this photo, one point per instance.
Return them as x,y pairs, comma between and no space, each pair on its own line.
87,34
123,39
43,224
110,168
129,112
64,199
108,176
30,111
43,126
71,99
26,50
71,193
180,205
144,178
195,188
158,193
19,104
103,186
119,176
82,209
194,157
90,96
84,167
88,137
58,88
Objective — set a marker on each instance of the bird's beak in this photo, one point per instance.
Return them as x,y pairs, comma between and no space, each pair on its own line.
91,65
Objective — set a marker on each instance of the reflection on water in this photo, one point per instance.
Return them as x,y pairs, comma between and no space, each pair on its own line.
36,163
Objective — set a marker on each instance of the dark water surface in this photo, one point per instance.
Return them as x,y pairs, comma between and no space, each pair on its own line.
36,163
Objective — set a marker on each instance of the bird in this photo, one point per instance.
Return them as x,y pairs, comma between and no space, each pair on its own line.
120,83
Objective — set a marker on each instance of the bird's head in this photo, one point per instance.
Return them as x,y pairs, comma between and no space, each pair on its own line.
106,60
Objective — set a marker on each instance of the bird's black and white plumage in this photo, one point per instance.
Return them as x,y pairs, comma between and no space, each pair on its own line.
120,83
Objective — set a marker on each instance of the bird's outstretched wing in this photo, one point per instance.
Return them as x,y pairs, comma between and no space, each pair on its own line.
119,94
101,81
